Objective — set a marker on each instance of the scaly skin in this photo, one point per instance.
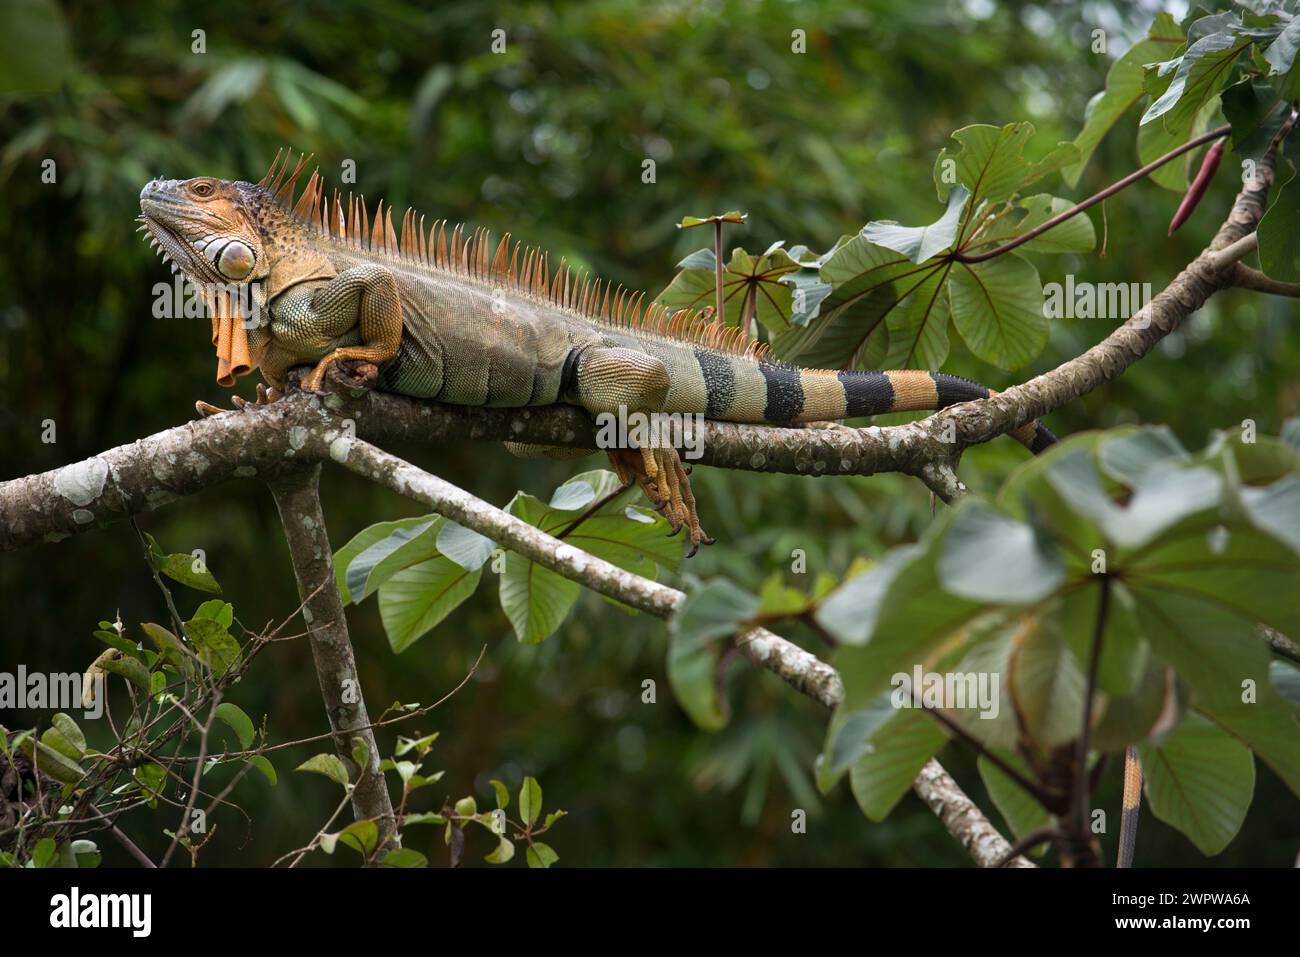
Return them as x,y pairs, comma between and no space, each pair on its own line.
455,322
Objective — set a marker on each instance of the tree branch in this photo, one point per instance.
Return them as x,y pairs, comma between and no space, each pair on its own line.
799,668
297,498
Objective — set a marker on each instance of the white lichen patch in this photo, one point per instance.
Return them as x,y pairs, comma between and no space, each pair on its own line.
757,460
82,482
307,615
196,462
83,516
760,646
575,557
341,447
297,438
333,401
244,471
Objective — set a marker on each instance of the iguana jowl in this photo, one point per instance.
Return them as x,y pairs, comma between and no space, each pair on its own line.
443,315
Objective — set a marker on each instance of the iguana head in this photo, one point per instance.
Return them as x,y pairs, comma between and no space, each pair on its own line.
239,244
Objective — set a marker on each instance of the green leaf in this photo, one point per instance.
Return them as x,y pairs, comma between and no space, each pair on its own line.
401,548
414,600
1047,685
1202,71
71,732
918,327
361,836
188,570
86,853
150,777
43,854
466,807
238,721
540,855
173,651
897,752
1279,240
714,611
530,801
1199,780
553,817
535,599
919,243
990,162
51,762
502,793
328,765
128,668
731,216
987,555
504,852
344,556
1123,89
1021,810
997,306
216,647
851,331
744,274
1074,235
265,766
404,857
1256,113
464,546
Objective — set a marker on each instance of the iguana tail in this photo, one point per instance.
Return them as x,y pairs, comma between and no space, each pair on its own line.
742,390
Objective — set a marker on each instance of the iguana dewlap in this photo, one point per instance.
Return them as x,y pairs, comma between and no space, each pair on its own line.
445,316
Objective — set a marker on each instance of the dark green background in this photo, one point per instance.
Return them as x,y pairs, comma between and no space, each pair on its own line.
547,140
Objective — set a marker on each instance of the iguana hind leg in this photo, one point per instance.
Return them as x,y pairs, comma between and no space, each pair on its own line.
623,382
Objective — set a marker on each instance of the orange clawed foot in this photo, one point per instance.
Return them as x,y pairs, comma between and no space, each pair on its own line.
666,484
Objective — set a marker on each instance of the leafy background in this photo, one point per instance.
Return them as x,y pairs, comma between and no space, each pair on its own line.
547,140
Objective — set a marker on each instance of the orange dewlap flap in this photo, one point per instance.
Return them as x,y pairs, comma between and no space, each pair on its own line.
231,340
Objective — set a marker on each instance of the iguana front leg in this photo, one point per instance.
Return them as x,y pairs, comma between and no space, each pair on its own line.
614,380
311,321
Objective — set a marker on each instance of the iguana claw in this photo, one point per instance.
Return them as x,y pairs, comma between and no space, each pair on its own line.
664,481
265,396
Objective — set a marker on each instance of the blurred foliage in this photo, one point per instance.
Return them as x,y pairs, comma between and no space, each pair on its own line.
547,140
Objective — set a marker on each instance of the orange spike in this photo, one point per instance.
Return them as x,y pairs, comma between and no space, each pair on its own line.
389,235
364,228
377,232
424,250
284,195
302,210
266,180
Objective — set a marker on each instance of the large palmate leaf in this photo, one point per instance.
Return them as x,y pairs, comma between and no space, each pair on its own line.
748,283
989,162
1186,554
1123,89
919,243
997,306
537,600
1279,240
893,758
708,615
414,600
389,536
1201,73
1199,780
1075,235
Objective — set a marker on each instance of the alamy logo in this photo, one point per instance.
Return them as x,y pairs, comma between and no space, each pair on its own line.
954,690
1094,300
651,430
183,299
75,909
65,691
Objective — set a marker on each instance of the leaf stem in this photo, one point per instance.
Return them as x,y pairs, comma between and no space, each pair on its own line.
1095,198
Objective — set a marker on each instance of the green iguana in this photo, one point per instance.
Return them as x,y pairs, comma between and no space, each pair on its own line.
442,315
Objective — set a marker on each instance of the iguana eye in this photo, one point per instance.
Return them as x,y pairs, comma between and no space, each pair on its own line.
202,189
